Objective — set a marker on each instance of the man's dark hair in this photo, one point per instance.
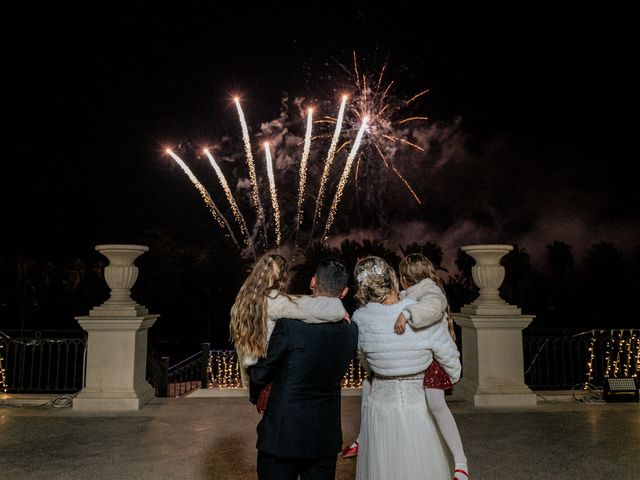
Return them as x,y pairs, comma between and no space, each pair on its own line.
331,276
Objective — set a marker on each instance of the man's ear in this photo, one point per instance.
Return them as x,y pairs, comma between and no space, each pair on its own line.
313,283
344,292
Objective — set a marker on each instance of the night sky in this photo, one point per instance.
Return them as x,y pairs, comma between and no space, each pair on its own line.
530,117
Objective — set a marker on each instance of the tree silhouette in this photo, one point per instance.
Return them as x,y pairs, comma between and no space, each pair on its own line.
303,270
559,258
460,289
517,264
431,250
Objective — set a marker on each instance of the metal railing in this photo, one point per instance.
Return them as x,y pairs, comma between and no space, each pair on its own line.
215,369
568,360
184,376
38,364
34,363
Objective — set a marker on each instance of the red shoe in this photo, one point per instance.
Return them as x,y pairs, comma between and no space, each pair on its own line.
459,477
351,450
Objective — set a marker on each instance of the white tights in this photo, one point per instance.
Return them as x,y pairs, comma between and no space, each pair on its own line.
446,424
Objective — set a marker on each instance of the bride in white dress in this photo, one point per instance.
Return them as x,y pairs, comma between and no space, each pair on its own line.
398,436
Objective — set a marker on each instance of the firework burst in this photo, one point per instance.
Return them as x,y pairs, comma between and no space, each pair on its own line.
274,194
206,197
255,196
303,169
328,161
343,179
370,125
237,214
387,128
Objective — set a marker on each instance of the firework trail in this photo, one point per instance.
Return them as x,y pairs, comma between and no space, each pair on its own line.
343,179
255,197
327,163
303,169
215,212
232,201
390,164
274,194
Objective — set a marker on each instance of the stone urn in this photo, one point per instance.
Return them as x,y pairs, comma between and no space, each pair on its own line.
121,274
487,273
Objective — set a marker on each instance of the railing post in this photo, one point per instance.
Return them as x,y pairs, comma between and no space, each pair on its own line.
163,382
204,375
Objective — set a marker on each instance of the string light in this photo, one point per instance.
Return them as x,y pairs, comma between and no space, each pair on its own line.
621,355
637,352
223,371
592,354
607,369
3,378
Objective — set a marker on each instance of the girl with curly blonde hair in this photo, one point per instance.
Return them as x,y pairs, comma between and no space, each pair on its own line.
262,300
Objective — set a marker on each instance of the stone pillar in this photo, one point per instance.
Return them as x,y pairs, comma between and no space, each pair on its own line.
493,366
117,339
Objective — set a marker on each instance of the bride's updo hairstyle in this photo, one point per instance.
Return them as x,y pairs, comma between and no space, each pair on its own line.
375,280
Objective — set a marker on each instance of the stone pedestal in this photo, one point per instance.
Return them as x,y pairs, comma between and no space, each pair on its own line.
493,366
117,340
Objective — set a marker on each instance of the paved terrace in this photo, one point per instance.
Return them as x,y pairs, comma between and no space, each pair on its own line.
214,438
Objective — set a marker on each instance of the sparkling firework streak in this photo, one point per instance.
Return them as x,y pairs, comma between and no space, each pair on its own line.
343,179
215,212
375,100
327,163
274,194
400,176
303,169
255,197
232,201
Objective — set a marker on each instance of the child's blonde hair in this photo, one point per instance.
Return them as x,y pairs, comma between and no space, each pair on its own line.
375,280
248,326
414,268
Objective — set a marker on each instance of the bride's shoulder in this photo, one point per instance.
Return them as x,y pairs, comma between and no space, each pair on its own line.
373,309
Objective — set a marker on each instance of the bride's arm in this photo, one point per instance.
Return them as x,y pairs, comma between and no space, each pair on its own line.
430,308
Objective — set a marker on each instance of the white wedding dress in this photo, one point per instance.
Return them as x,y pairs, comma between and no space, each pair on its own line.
399,439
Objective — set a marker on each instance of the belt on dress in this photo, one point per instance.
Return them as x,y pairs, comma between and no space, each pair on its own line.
416,376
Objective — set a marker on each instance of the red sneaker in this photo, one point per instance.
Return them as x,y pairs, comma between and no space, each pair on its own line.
351,450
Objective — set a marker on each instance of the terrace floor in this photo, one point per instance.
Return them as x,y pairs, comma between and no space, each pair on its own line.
214,438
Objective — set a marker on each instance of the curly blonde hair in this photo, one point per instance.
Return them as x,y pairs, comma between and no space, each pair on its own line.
375,280
248,326
414,268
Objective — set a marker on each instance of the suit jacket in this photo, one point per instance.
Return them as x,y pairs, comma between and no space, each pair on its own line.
305,364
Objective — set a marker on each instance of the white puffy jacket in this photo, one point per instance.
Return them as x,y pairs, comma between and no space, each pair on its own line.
431,306
393,355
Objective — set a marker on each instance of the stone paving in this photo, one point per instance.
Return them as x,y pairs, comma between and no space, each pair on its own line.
214,438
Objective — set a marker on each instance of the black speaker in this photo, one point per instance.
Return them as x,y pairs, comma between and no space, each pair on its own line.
620,390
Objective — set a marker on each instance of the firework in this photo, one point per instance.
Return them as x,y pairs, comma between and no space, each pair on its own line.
274,194
255,197
386,128
303,169
327,163
374,108
237,214
215,212
343,179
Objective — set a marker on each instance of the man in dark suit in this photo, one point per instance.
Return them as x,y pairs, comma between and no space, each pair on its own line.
300,432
